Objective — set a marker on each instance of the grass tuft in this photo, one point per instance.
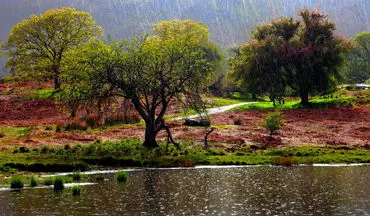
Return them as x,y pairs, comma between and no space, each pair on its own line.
33,181
16,182
58,183
76,190
122,176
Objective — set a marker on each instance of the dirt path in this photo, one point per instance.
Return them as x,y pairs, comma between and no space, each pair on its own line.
212,111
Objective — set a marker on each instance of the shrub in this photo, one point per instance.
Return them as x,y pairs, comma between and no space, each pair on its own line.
76,190
33,181
67,147
15,149
273,122
121,176
48,181
58,183
44,149
76,125
48,128
92,121
59,127
16,182
237,122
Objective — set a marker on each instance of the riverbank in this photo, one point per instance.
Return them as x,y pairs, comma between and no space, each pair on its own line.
130,153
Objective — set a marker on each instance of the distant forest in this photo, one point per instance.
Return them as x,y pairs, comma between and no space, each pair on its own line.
229,21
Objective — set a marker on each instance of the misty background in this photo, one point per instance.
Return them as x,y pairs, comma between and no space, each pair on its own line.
229,21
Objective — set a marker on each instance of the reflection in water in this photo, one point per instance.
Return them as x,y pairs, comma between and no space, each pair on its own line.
262,190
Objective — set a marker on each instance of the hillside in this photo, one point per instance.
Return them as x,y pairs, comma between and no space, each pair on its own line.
229,21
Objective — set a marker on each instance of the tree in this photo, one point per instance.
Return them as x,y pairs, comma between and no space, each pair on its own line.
357,65
258,63
37,46
150,71
273,122
302,54
84,72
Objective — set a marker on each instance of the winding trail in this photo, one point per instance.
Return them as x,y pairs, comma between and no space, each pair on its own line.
212,111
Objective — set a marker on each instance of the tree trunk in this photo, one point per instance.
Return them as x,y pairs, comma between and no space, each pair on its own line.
304,97
150,135
56,83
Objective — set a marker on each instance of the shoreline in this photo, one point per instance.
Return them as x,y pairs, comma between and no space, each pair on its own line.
127,154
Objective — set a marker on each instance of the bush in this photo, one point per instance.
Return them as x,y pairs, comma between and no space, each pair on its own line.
33,181
273,122
76,190
58,183
44,149
76,125
121,176
237,122
16,182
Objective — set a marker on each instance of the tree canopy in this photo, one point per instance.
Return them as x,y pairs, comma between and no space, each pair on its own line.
150,71
36,46
357,64
303,54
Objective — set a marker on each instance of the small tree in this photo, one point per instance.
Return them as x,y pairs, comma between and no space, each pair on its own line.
37,46
273,122
149,71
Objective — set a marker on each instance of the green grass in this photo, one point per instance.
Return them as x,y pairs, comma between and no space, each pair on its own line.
42,94
15,130
33,181
58,183
338,99
131,153
219,101
76,190
16,182
122,176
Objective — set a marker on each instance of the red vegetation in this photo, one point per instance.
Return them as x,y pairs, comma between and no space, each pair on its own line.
333,126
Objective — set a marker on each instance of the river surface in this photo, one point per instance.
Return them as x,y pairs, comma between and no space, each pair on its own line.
253,190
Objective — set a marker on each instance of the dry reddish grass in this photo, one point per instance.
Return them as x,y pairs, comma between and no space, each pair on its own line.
334,126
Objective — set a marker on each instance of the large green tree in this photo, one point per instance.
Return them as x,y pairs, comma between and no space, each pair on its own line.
303,54
357,65
149,71
37,46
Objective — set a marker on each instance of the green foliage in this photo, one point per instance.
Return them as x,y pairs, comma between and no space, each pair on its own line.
357,65
42,94
301,54
122,176
273,121
36,46
33,181
76,190
16,182
58,183
150,71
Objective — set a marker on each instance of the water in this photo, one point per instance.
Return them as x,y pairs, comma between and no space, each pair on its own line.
254,190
